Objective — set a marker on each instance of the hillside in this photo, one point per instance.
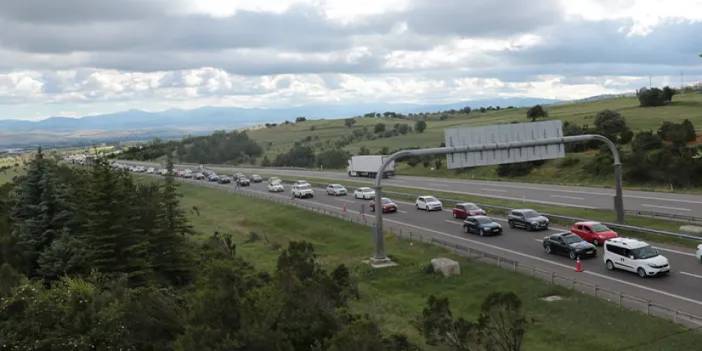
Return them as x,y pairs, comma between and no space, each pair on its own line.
282,137
322,134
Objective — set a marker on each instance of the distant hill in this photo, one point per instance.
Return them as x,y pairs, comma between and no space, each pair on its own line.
175,123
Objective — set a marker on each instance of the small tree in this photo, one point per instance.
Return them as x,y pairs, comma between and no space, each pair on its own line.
349,122
535,112
379,128
420,126
612,125
300,119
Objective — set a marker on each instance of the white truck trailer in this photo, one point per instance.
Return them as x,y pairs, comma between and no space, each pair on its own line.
368,165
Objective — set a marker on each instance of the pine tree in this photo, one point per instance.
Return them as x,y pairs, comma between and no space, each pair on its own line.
168,251
40,213
113,244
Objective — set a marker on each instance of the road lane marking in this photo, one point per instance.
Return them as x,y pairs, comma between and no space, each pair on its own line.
667,207
493,189
675,251
347,201
692,275
452,222
663,199
401,211
639,286
568,197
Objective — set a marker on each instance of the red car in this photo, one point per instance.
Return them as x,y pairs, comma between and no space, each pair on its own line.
388,205
467,209
594,232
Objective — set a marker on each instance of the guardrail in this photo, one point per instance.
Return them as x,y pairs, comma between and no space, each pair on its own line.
618,298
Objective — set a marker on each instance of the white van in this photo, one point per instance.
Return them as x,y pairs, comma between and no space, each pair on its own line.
634,256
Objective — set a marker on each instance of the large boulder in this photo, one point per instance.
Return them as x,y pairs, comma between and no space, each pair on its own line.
446,266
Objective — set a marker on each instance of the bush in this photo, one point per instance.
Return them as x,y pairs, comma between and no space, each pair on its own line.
515,169
379,128
653,97
612,125
335,158
420,126
569,161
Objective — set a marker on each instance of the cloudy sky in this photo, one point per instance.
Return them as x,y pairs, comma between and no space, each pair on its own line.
78,57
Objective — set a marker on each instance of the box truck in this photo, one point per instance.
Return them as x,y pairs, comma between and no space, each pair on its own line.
368,165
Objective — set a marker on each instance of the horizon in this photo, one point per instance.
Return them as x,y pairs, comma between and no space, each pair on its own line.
273,55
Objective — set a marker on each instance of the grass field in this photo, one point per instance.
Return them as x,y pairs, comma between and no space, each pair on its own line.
685,106
394,297
6,175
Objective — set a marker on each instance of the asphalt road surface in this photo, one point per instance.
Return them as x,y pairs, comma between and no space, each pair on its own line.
681,289
570,196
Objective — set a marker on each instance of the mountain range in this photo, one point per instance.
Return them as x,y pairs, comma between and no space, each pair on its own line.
176,123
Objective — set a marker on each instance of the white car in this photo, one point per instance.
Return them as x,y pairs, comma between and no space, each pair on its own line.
302,182
276,187
302,191
150,170
699,252
428,203
634,256
336,189
365,193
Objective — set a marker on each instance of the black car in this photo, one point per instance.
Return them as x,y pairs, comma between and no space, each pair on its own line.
569,244
527,219
243,181
213,177
224,180
482,225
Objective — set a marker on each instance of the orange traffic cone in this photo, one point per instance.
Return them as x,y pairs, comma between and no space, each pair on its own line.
578,265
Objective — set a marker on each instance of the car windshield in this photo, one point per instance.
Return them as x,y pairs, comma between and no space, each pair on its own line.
530,214
365,189
471,207
386,200
337,186
484,220
644,252
571,239
599,228
430,199
304,187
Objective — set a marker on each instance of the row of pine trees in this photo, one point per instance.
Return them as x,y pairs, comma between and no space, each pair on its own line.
73,221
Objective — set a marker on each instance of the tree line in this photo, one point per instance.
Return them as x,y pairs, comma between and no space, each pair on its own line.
220,147
92,259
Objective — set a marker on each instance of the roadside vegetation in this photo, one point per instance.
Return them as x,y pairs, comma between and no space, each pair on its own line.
91,258
655,131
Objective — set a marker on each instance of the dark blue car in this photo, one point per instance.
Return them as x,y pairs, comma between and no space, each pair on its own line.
481,225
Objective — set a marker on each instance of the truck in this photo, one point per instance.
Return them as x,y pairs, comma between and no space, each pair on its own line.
368,165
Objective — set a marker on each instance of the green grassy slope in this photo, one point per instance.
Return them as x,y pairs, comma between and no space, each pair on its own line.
685,106
395,296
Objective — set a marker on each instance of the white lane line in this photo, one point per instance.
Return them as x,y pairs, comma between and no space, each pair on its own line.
493,189
568,197
639,286
401,211
666,207
692,275
347,201
662,199
675,251
452,222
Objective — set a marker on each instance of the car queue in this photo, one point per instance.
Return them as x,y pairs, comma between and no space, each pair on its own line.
580,241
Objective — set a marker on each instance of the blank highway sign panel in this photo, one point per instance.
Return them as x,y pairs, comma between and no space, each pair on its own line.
502,134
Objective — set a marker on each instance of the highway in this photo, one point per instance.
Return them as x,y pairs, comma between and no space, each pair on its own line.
681,289
569,196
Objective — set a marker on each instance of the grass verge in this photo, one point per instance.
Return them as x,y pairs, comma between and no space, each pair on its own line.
395,296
